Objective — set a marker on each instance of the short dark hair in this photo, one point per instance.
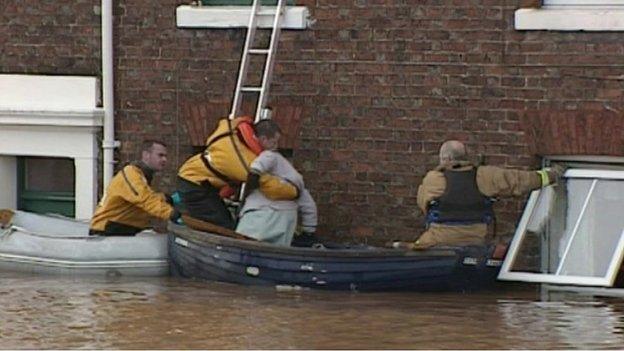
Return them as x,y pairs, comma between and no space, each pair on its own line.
148,143
266,128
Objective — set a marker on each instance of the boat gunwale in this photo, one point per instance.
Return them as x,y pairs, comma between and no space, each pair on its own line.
205,238
319,267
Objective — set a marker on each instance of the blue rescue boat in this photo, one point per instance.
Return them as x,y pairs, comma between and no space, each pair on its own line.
197,254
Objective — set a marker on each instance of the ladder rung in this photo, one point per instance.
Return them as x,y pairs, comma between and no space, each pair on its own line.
251,89
259,51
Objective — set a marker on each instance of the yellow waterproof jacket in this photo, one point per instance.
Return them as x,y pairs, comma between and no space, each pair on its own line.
222,152
129,200
221,156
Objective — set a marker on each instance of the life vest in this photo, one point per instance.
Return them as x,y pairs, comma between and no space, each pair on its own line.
229,154
245,131
221,167
462,202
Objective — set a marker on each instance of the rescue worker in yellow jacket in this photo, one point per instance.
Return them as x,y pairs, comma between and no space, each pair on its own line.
225,164
456,197
129,202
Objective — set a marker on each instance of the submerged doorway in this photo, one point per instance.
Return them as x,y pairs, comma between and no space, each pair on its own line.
46,185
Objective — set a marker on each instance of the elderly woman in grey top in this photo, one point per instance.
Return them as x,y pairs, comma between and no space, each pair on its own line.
269,220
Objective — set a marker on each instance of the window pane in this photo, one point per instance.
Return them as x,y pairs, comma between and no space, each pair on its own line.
566,210
558,213
48,174
599,231
535,253
529,257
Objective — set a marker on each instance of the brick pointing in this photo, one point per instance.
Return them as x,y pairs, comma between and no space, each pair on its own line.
381,83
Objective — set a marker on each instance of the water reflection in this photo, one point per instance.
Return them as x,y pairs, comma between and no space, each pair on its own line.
584,324
168,313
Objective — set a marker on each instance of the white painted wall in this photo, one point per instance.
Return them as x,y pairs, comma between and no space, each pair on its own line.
8,182
46,93
50,116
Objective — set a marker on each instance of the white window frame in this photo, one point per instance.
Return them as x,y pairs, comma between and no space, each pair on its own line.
573,15
191,16
550,278
582,2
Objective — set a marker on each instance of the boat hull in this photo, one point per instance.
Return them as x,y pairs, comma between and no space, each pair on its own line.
40,244
207,256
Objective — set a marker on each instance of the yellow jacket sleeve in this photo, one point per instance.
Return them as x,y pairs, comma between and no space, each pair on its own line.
276,188
141,194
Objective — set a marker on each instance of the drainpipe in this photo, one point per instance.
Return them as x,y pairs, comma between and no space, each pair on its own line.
109,143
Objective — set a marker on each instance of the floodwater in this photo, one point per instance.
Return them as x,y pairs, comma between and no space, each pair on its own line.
170,313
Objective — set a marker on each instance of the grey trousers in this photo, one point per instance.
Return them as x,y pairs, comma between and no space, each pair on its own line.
269,225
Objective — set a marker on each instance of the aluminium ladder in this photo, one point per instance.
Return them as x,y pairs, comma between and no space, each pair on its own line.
248,50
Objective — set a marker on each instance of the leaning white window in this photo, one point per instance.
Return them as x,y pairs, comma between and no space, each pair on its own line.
572,233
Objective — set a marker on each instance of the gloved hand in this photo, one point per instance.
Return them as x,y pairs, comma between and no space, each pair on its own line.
252,183
552,174
176,198
305,239
556,173
227,192
173,199
176,217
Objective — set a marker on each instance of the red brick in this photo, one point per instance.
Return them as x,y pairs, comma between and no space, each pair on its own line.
381,85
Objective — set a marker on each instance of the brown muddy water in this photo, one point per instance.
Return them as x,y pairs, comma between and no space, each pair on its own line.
171,313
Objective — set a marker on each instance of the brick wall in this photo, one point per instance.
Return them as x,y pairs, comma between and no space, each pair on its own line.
382,84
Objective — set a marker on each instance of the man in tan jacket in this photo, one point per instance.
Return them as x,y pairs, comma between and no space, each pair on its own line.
456,197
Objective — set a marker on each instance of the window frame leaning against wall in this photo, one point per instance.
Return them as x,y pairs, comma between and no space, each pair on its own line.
594,264
572,15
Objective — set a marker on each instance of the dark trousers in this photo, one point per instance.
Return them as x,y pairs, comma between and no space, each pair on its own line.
116,229
203,202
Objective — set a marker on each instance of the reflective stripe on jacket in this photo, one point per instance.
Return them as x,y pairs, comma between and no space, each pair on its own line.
129,200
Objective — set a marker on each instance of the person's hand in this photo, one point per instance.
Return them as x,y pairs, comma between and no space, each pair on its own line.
252,183
305,239
556,173
176,217
176,199
552,174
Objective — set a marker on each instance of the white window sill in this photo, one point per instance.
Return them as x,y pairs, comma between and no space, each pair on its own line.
570,19
295,17
60,118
